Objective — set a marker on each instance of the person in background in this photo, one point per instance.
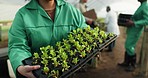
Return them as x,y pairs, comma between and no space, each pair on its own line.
134,31
83,8
39,23
112,26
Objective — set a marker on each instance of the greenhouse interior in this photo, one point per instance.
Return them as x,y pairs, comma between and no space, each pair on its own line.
73,39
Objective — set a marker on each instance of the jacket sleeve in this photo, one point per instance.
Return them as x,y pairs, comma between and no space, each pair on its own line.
144,20
79,18
18,48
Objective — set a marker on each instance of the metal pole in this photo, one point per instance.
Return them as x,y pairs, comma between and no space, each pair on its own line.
143,62
0,33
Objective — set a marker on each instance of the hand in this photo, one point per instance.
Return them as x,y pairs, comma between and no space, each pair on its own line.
90,21
27,70
130,22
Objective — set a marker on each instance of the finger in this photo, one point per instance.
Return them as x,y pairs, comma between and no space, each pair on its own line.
30,68
36,67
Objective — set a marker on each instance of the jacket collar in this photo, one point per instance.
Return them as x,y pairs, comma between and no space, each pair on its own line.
33,4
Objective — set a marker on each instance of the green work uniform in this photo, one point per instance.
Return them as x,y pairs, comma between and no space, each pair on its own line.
32,28
140,19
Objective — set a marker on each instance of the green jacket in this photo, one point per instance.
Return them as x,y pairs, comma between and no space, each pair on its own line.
32,28
140,19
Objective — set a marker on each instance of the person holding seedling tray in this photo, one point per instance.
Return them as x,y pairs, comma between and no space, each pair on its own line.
40,23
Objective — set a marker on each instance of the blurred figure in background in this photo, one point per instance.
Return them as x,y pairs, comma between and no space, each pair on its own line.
83,8
112,26
134,31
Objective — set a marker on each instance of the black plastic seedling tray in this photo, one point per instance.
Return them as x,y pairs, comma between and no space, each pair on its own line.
123,19
73,68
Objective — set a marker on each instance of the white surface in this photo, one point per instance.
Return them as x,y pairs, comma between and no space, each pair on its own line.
11,73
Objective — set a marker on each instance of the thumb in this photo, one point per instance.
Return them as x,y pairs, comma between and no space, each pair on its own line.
30,68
